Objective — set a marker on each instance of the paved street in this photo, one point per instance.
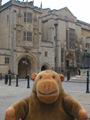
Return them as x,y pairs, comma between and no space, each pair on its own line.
10,94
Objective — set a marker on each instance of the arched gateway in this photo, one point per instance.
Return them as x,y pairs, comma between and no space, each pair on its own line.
70,60
45,66
26,65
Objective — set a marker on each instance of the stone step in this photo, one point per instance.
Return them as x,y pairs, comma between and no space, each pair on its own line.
79,78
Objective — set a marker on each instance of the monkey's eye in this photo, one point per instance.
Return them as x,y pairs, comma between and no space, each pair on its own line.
40,77
53,77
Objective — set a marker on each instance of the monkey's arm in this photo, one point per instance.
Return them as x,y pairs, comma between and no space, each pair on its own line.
74,108
18,110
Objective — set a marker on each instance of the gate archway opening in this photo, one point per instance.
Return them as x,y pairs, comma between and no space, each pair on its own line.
45,67
24,67
70,60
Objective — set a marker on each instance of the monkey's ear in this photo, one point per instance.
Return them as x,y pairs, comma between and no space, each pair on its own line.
33,76
61,77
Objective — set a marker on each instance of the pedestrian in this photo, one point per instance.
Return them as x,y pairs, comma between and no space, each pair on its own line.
9,72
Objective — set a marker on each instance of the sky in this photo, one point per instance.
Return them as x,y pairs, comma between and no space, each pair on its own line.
79,8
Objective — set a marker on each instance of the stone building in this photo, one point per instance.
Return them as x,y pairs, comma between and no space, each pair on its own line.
34,39
69,35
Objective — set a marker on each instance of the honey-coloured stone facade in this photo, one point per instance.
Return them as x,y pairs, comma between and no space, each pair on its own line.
45,39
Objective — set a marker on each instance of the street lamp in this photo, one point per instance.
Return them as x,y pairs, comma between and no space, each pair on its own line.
56,24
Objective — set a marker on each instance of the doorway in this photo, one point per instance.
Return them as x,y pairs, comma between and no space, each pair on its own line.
24,67
67,63
43,68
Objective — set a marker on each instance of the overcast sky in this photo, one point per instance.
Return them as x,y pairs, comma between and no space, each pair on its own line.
79,8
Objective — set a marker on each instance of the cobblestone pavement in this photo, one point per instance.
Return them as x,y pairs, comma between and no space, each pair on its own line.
11,94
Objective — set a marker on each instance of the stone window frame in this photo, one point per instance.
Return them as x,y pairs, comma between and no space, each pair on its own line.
66,18
7,60
46,53
88,42
27,36
70,38
28,17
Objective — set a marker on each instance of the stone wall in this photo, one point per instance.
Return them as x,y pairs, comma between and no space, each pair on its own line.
47,41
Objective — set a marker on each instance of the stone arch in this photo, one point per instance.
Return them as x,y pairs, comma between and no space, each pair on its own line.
70,60
45,66
32,63
24,67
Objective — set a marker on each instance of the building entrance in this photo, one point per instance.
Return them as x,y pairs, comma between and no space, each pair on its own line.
24,67
70,60
43,68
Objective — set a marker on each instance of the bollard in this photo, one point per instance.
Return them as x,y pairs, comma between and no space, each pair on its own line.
28,82
79,71
0,76
68,75
16,80
87,87
6,79
9,79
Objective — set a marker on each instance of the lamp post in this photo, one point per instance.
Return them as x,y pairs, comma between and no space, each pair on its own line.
56,24
26,63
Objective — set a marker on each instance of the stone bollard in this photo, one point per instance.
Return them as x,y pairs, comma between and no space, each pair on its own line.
6,79
16,80
68,75
28,81
87,87
9,79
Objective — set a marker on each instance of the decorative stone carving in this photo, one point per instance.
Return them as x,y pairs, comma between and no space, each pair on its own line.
29,27
35,41
35,23
18,36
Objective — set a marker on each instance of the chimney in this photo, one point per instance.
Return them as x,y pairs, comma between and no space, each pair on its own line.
0,3
41,5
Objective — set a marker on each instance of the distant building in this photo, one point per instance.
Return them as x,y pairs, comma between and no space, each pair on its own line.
34,39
